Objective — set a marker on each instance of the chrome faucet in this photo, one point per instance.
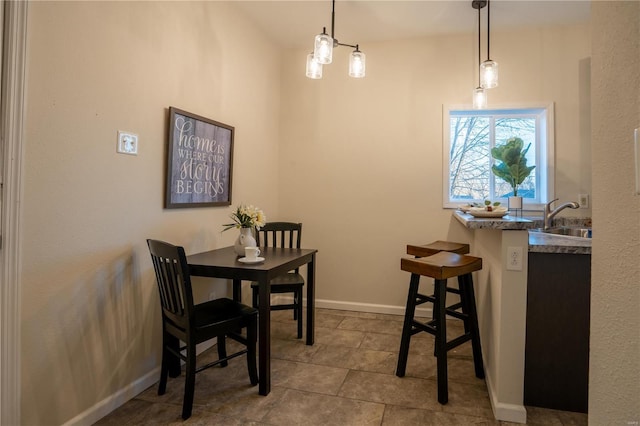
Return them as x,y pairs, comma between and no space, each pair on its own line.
549,215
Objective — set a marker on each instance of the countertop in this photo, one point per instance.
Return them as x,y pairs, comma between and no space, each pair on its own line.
506,222
538,242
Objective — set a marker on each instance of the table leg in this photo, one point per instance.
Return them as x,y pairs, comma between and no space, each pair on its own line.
264,337
311,290
237,290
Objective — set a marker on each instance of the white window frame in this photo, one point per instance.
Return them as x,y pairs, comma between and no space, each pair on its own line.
545,149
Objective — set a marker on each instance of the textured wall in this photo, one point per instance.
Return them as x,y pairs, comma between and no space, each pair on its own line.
363,158
614,377
90,314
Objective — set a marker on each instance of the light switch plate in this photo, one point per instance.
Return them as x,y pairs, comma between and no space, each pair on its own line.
127,143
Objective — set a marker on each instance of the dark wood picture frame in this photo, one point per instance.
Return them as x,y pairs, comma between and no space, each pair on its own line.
199,161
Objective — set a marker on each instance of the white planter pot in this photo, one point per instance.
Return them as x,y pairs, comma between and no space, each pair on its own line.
515,203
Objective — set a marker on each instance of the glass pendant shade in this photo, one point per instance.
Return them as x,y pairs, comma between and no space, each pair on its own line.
489,74
314,68
357,64
479,98
323,49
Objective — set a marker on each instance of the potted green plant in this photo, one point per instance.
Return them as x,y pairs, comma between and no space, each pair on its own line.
512,166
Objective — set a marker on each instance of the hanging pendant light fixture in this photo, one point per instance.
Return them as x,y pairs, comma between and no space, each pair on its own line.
323,53
323,48
314,68
479,94
357,63
489,68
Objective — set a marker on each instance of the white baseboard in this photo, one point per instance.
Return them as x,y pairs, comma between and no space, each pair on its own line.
501,411
368,307
107,405
112,402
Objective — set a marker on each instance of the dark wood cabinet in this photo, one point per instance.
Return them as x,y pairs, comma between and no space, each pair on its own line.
557,340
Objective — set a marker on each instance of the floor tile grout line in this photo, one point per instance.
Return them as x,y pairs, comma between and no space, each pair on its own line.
471,410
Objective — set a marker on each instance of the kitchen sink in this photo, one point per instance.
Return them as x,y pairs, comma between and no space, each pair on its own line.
570,231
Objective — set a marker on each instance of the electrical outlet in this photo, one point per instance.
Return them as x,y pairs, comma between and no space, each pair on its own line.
583,200
213,295
514,258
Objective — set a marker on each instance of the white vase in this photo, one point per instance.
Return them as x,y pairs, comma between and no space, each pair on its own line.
245,239
515,203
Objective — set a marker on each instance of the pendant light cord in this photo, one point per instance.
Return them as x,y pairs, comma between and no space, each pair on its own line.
333,16
488,29
479,59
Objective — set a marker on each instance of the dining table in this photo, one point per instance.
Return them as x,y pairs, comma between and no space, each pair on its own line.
225,263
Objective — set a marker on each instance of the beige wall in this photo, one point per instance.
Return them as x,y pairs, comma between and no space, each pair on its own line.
358,161
362,159
90,316
614,373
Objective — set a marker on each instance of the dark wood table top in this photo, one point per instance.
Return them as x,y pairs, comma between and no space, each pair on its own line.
223,263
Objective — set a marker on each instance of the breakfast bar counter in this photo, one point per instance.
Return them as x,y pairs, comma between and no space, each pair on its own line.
505,222
501,299
506,245
539,242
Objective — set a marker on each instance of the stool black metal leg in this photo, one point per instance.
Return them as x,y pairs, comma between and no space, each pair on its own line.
473,324
440,291
408,324
464,301
434,317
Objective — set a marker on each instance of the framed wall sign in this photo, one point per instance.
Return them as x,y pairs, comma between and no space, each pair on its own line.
199,161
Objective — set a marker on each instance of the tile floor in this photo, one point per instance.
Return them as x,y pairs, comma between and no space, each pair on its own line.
346,378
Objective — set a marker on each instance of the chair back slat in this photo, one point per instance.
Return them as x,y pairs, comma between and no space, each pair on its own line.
280,234
174,282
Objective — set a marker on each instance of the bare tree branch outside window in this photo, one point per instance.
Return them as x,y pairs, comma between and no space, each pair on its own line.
471,139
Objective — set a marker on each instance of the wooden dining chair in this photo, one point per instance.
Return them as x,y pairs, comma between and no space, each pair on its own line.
283,234
182,320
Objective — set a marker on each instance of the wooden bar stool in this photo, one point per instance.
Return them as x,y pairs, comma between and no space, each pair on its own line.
436,247
430,249
440,267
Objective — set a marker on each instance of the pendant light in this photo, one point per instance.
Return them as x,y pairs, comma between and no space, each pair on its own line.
357,63
323,53
479,94
489,68
323,48
314,68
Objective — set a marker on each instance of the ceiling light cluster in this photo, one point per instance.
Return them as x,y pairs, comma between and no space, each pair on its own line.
323,53
487,70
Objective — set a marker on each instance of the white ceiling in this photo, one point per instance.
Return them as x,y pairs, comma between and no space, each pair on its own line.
295,23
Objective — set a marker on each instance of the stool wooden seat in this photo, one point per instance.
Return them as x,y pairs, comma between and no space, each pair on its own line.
436,247
440,267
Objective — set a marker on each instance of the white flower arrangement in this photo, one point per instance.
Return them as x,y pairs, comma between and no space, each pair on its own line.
246,217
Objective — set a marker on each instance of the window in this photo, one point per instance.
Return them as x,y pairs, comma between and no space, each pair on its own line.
469,136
